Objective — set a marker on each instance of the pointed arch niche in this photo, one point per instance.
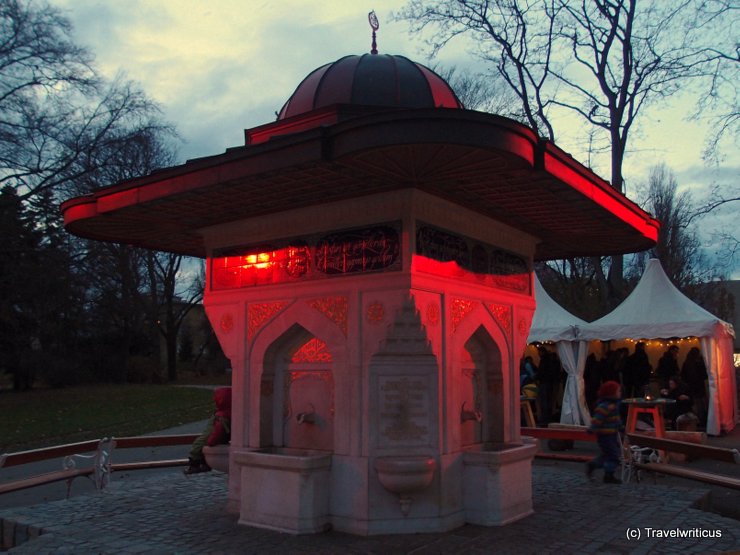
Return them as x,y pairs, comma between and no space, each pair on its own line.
482,414
297,393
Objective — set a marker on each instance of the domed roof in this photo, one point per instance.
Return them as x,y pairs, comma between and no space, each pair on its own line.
371,80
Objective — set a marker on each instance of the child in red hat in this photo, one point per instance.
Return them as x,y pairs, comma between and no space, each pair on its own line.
218,431
606,424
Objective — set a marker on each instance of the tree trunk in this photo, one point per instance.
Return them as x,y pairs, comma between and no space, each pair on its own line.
171,340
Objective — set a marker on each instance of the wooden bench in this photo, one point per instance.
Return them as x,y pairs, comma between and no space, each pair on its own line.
691,474
102,465
143,465
48,478
691,449
731,456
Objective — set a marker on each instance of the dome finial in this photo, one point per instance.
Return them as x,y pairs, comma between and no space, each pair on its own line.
373,19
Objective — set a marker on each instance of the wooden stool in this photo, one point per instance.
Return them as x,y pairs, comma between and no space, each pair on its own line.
526,405
653,407
657,413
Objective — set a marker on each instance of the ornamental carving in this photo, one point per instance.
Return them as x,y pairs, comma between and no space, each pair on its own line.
432,313
459,309
334,308
259,313
227,322
375,313
502,314
523,327
314,350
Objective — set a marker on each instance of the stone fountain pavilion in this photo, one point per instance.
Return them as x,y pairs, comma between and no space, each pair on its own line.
369,275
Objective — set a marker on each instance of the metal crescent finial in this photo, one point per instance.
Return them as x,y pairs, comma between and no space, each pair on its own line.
373,19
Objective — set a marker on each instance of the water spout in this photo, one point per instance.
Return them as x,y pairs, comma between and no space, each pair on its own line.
307,417
466,415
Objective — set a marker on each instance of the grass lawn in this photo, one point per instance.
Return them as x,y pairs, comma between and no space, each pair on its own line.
45,417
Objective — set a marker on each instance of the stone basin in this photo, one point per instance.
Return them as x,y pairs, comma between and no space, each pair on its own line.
286,458
500,453
403,475
217,457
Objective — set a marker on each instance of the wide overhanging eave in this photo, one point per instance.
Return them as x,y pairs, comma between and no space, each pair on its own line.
482,162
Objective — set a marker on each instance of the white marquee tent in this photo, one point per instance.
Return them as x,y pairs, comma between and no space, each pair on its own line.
552,322
657,309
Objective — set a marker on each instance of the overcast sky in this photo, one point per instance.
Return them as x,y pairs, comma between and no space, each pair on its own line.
217,67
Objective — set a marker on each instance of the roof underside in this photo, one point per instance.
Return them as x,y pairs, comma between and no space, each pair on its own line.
484,163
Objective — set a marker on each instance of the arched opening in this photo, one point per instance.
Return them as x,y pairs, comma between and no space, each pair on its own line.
482,392
297,393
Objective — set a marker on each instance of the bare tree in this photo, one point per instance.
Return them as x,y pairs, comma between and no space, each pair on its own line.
516,38
716,22
167,305
574,284
482,92
604,60
58,119
679,248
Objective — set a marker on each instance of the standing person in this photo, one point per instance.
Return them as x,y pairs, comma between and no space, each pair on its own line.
668,366
606,423
636,373
217,431
694,374
548,375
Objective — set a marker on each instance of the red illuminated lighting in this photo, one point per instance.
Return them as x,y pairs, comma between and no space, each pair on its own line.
239,271
259,268
259,261
519,282
605,196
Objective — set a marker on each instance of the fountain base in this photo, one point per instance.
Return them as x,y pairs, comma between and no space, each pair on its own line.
284,489
497,483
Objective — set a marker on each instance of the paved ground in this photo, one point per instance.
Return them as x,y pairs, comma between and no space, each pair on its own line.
172,513
163,511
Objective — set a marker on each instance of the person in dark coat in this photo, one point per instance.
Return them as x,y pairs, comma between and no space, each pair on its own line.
694,375
668,366
636,372
548,376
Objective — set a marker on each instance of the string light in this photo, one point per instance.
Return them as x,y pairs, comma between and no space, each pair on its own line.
662,342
